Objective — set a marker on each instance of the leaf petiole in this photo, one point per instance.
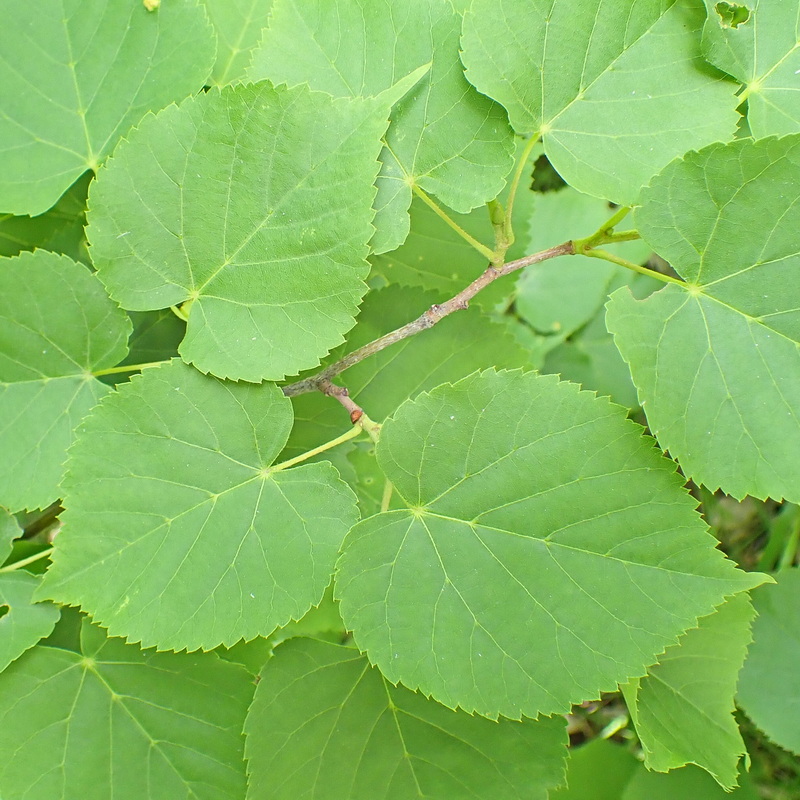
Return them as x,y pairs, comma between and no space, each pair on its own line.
23,562
512,190
606,256
128,368
345,437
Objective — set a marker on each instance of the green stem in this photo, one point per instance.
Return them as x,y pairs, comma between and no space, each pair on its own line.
622,236
178,312
789,553
345,437
128,368
388,488
437,209
23,562
605,233
512,190
606,256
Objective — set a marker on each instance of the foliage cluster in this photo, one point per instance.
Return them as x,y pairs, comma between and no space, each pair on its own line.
231,224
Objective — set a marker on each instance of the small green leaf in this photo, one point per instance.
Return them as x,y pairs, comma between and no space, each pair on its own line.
176,531
114,721
444,136
716,360
9,530
757,43
548,551
616,91
769,685
76,75
325,724
253,203
239,24
598,770
57,326
683,708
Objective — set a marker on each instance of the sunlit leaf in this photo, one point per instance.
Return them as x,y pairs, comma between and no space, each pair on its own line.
185,536
76,74
547,553
716,360
57,326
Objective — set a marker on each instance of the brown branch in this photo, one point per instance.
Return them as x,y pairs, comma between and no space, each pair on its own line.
322,380
341,394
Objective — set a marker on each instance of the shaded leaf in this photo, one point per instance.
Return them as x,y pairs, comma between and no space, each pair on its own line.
616,91
113,721
548,551
689,783
769,684
58,326
106,65
758,47
683,708
324,723
598,770
177,532
444,136
716,361
254,203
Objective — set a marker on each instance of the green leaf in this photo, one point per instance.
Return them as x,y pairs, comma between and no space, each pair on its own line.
76,75
23,622
114,721
769,685
59,230
177,532
683,708
689,783
324,723
557,298
756,43
254,203
615,91
444,137
57,326
716,361
9,530
455,347
238,24
156,336
548,551
599,770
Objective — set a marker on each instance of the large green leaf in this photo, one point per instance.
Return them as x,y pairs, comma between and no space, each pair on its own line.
769,685
59,230
22,623
238,24
759,48
444,136
548,551
716,361
683,707
116,722
615,90
76,74
325,724
456,346
254,203
177,531
57,326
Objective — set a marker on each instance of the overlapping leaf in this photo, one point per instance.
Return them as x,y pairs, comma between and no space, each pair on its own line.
716,361
76,74
683,707
113,721
769,685
22,623
325,724
689,783
455,347
548,551
616,91
177,532
598,770
238,24
255,204
444,137
757,42
57,326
